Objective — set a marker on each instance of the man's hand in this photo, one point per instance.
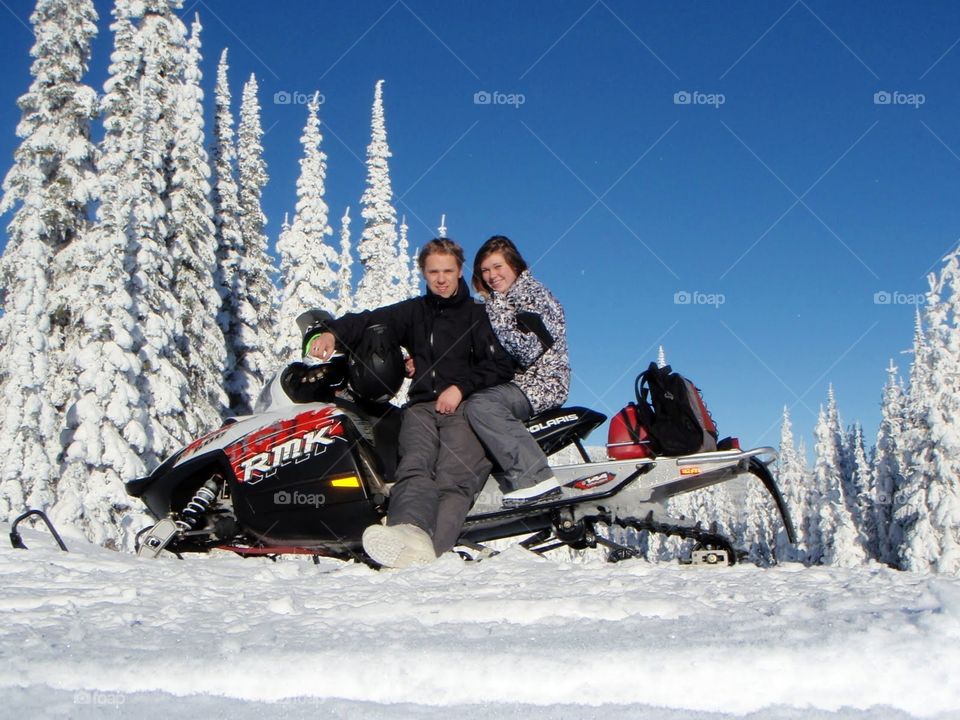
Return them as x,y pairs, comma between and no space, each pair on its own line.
449,400
410,368
322,346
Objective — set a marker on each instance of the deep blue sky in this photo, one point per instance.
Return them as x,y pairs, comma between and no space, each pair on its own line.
795,201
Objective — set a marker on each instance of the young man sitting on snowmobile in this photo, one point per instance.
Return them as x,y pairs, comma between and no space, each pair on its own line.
442,463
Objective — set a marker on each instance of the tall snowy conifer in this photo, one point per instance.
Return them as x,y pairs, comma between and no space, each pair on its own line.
193,246
240,382
791,473
910,498
109,437
344,272
860,495
161,58
307,275
407,265
255,292
51,182
755,526
929,513
838,541
382,282
886,463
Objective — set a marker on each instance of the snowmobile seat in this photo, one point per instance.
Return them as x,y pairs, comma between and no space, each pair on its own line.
557,428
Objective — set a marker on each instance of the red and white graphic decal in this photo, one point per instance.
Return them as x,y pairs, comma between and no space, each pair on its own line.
258,455
202,442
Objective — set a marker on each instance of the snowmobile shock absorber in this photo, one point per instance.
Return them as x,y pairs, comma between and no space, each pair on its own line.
199,503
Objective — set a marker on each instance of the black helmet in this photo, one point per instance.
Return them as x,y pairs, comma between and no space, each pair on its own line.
314,382
376,365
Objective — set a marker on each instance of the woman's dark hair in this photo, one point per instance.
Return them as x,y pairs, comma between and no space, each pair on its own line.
497,244
440,246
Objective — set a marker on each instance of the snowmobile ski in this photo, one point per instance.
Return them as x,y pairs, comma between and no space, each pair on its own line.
157,538
16,540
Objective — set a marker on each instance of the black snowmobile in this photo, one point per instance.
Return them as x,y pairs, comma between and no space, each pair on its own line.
311,468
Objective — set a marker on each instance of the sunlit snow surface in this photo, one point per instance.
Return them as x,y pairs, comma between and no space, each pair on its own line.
94,633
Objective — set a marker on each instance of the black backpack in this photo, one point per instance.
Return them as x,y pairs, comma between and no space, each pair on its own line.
672,410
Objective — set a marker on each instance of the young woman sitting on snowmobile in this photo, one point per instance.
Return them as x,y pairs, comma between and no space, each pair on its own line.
529,323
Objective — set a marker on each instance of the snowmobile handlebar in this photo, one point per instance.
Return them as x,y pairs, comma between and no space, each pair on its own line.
17,540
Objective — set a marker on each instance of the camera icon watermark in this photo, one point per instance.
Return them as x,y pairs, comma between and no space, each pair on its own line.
886,297
483,97
285,498
684,297
884,97
285,97
695,97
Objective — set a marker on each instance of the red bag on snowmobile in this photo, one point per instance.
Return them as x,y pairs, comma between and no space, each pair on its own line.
627,438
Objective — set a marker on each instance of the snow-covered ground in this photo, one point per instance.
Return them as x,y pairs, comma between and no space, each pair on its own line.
94,633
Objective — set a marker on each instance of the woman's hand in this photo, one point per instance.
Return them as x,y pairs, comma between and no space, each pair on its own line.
449,400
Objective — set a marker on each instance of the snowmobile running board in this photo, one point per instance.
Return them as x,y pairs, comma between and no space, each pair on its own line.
630,493
657,480
17,541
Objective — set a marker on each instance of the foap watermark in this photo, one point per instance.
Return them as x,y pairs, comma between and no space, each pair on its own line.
885,97
285,97
483,97
887,297
695,97
88,697
684,297
296,497
302,700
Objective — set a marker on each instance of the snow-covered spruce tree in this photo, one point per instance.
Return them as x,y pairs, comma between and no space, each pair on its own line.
931,536
407,264
860,495
308,278
885,465
256,295
382,282
854,477
716,508
909,498
416,277
410,263
192,244
344,271
813,501
109,437
158,64
754,529
838,541
49,186
239,382
791,477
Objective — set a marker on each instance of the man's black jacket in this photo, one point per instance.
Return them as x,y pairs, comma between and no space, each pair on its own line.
450,340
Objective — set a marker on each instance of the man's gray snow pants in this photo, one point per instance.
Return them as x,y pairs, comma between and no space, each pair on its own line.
442,468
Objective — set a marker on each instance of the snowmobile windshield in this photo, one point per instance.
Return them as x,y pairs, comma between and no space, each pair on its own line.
265,399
